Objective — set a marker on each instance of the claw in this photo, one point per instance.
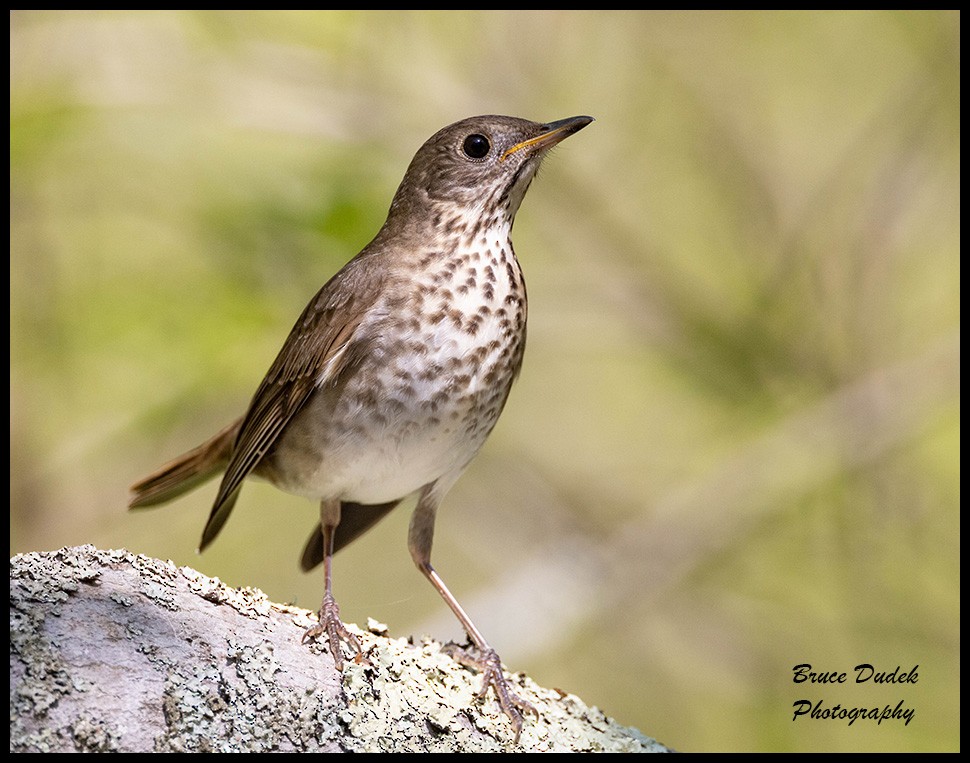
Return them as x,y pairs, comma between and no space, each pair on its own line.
331,625
490,666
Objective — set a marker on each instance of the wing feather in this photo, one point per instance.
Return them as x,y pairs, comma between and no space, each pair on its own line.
320,347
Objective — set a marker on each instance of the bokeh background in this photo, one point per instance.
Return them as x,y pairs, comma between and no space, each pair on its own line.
734,447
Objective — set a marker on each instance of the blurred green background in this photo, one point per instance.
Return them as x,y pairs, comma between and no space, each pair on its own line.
734,446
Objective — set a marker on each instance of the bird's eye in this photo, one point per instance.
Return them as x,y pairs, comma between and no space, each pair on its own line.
476,146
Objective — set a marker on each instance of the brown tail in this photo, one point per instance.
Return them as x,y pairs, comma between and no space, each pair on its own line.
355,519
186,472
209,460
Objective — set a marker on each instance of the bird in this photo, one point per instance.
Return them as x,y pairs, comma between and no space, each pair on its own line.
397,370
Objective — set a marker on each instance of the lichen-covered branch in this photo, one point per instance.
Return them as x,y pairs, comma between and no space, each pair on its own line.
111,650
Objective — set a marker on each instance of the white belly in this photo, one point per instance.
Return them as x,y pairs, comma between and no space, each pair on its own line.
421,404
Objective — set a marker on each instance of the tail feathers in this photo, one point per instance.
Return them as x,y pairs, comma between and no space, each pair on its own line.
355,518
186,472
209,460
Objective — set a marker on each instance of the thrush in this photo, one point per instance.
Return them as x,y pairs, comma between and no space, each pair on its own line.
397,370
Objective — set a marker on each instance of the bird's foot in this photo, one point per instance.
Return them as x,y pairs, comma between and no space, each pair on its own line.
487,662
336,632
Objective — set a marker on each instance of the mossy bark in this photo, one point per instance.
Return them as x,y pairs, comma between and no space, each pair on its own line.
111,650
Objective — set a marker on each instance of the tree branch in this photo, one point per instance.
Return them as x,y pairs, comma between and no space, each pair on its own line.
115,651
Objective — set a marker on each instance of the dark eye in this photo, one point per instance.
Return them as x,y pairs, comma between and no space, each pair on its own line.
476,146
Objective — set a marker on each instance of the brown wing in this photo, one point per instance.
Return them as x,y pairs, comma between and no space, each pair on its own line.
321,342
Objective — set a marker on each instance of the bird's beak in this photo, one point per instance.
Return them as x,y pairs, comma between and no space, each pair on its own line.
551,134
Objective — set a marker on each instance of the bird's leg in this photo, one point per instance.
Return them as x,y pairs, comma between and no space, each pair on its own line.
487,662
330,622
420,537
